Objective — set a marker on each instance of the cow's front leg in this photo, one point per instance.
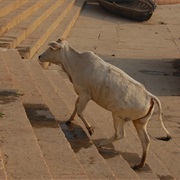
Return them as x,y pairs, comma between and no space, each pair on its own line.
73,114
80,106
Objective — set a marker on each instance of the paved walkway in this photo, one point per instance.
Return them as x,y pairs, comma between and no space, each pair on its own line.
149,51
163,2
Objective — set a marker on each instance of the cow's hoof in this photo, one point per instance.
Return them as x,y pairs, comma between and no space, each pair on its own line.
68,122
103,143
91,130
137,167
99,145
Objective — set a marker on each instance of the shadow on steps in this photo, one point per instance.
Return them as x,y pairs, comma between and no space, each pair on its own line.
76,136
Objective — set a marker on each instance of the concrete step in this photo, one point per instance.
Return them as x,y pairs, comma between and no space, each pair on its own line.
20,32
3,174
28,26
20,153
5,83
35,40
15,17
9,5
64,27
118,165
5,79
83,147
70,19
61,160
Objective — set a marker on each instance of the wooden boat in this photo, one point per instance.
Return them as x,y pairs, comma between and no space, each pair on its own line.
140,10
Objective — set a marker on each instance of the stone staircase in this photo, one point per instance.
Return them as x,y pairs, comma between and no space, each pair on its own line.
26,25
35,142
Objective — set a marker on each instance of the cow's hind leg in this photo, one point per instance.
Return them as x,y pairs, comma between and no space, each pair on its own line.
140,126
119,131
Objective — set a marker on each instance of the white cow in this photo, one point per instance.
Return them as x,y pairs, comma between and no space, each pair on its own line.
110,87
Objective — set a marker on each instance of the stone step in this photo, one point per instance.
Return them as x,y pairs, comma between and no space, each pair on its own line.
70,19
20,32
64,27
20,152
61,160
35,40
5,79
5,83
118,165
15,17
27,23
83,147
3,174
9,5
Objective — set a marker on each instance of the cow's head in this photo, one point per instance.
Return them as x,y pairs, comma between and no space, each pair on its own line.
54,53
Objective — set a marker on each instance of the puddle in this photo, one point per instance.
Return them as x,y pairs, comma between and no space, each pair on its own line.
8,95
40,116
76,136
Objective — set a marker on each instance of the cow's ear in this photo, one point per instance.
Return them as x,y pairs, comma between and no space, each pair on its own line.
54,45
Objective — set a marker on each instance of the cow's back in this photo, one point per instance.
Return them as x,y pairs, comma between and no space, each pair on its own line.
111,88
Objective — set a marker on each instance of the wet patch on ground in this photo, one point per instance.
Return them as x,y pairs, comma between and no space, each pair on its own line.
8,95
40,116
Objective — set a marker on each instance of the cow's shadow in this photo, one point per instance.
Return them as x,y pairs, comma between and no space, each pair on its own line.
76,136
109,151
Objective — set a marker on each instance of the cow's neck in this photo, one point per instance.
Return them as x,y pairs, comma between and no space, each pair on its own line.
71,57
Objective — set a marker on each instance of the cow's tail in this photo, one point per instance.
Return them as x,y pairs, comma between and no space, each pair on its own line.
168,136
